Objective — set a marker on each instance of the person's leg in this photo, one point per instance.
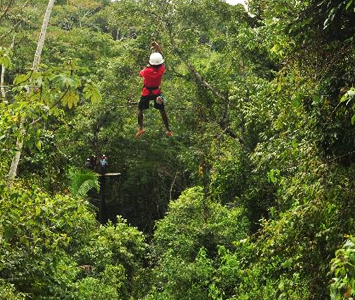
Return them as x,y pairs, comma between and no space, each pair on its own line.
143,104
161,108
166,122
140,124
165,119
140,119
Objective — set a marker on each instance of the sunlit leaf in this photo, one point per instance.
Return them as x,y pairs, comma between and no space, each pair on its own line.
70,99
66,81
39,145
92,92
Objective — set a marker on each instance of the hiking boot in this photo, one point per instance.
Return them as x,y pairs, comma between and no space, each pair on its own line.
169,133
139,133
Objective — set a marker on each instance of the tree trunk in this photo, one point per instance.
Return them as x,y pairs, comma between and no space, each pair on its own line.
2,81
42,36
37,58
2,77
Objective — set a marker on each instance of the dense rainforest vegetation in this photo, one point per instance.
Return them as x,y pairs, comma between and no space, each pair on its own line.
252,198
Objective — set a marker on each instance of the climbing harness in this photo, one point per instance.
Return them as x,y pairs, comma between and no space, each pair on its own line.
160,99
151,88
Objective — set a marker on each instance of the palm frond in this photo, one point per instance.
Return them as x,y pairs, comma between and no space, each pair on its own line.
83,181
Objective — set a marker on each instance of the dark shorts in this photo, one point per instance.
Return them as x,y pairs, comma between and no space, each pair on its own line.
145,100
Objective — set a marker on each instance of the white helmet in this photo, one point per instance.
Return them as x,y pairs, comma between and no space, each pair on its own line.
156,59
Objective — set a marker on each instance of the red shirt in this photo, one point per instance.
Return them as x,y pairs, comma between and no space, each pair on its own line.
152,78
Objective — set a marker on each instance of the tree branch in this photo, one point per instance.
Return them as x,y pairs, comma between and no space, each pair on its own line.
223,122
199,79
7,8
54,105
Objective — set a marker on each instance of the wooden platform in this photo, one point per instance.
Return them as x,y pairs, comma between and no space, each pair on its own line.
110,174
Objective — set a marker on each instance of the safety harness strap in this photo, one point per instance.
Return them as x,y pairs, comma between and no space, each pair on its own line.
151,88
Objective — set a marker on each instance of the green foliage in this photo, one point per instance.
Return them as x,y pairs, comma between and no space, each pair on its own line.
53,247
115,254
184,279
186,243
5,55
104,287
78,14
83,181
38,236
261,161
348,97
92,92
8,292
229,174
198,222
343,270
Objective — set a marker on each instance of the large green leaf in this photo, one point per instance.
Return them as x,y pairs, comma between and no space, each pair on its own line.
92,92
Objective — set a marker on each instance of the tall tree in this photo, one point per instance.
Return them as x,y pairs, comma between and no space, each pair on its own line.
35,65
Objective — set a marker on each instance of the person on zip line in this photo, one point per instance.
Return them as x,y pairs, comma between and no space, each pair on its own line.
152,78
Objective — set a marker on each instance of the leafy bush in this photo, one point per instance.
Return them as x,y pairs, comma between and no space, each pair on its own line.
54,247
186,243
343,270
8,292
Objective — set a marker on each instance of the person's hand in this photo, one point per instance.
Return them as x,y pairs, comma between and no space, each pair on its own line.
156,46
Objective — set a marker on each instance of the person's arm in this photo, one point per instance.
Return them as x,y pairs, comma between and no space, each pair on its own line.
157,47
141,73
